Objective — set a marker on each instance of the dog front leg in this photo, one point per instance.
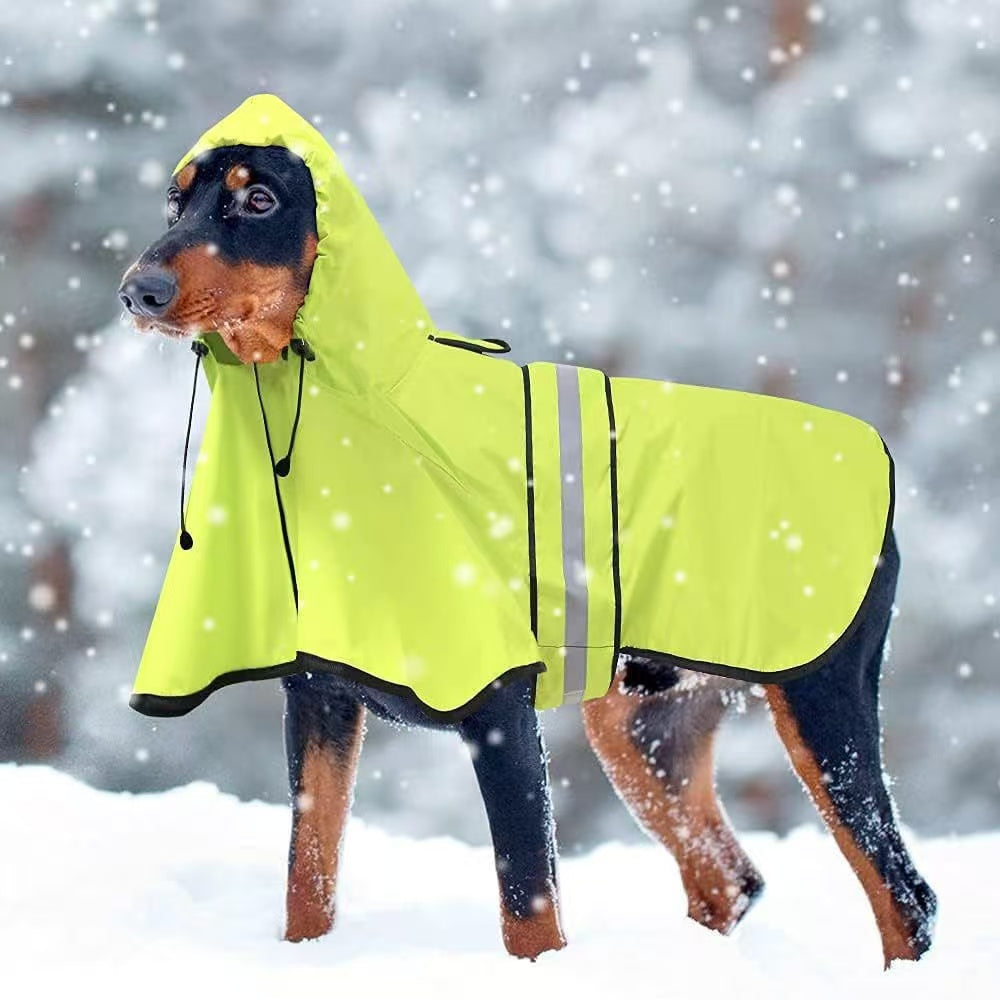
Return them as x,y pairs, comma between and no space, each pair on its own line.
324,726
509,759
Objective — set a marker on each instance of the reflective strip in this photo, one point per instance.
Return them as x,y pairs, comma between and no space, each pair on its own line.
573,556
572,564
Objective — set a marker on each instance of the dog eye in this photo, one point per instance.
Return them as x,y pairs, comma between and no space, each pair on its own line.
173,206
259,201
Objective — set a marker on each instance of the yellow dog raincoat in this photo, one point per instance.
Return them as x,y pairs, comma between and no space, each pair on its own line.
451,520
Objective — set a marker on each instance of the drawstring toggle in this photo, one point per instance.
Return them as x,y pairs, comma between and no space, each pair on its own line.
299,346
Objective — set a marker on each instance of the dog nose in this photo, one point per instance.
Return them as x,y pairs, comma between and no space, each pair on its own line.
148,292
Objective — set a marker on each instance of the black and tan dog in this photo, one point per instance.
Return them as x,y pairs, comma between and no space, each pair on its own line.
237,259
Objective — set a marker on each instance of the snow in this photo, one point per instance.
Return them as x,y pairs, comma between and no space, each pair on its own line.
181,892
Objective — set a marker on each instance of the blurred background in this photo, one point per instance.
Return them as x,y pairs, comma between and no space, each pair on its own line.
788,197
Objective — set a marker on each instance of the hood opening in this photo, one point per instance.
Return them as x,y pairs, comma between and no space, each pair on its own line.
361,315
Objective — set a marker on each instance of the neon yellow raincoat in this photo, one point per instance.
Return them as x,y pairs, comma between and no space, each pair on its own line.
452,520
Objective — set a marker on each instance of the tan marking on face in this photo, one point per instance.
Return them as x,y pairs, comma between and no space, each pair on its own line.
185,178
252,306
237,176
308,259
309,252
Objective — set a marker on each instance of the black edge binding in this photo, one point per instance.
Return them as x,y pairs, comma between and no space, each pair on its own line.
615,565
790,673
166,707
529,478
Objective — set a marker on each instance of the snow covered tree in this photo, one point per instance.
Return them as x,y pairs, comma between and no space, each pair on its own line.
783,196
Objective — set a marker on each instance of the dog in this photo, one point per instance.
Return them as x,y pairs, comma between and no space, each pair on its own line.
236,259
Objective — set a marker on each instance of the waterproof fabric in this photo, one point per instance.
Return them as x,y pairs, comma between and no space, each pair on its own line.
452,520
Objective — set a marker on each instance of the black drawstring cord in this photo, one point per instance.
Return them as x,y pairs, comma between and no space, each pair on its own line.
200,350
283,467
304,351
263,414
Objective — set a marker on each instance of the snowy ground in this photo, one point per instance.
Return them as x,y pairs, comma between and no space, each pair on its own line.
180,894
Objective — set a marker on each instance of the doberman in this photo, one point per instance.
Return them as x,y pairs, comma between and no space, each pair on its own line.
236,258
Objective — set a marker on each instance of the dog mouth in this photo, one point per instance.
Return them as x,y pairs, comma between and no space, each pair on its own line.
179,327
166,329
250,325
230,330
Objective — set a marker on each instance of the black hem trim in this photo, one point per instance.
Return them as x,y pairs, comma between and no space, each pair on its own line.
529,478
171,706
789,673
615,561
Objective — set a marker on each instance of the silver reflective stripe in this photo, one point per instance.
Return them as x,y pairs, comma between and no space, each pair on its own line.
574,565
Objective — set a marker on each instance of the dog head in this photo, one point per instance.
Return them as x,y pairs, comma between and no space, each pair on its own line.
237,254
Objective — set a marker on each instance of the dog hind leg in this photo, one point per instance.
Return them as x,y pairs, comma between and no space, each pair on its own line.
656,749
324,726
828,721
510,764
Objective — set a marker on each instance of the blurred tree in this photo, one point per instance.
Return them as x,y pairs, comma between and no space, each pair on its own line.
788,196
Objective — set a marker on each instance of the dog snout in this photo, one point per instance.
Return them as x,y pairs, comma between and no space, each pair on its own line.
148,292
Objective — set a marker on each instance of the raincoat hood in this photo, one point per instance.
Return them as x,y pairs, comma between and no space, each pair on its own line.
361,314
451,521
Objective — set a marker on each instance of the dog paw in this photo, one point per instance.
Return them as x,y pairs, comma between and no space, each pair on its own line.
725,907
529,937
